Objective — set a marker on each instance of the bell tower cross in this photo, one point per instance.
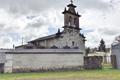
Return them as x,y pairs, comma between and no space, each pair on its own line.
71,17
71,1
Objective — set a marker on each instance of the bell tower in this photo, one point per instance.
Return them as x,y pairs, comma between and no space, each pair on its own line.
71,17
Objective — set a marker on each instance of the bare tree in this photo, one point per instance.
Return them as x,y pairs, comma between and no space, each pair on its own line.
117,39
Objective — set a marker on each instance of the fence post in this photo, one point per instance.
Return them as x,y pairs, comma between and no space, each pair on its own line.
114,61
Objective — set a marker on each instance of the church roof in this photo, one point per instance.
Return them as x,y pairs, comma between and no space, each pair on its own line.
71,5
71,9
82,35
44,38
48,37
115,46
52,36
21,46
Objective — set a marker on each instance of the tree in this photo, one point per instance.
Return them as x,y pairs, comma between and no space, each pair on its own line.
87,51
117,39
102,47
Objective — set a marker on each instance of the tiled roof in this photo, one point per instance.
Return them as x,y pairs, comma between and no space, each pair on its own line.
47,37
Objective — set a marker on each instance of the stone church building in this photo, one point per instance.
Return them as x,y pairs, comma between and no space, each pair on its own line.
70,37
62,50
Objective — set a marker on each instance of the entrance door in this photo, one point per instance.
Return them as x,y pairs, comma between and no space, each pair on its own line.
1,67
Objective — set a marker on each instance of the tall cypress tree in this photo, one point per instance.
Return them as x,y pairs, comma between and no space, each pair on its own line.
102,47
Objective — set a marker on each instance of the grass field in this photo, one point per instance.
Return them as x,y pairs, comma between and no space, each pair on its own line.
105,74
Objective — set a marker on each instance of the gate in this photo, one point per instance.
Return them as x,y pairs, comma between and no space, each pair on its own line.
114,61
1,68
99,62
93,62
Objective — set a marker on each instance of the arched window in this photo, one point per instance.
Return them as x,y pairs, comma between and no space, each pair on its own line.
73,43
70,20
75,21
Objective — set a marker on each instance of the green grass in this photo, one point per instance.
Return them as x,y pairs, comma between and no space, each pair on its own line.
107,66
105,74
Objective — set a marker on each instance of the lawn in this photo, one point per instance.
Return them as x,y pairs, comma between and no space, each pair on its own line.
105,74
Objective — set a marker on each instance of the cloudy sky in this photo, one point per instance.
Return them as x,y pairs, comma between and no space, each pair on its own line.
32,19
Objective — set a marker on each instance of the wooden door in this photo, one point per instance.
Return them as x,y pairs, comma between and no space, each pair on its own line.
1,67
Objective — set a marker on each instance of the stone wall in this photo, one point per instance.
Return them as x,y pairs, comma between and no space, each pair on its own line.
2,56
116,52
67,22
42,61
66,39
93,62
2,59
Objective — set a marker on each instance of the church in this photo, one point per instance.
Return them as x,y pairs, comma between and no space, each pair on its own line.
62,50
70,37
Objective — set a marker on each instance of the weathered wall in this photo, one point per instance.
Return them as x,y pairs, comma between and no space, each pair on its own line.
40,61
72,35
93,62
66,39
2,56
116,52
8,64
66,20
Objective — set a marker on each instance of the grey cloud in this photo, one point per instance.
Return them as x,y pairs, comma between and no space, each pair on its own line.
95,4
26,6
35,25
5,40
10,28
109,32
31,17
36,22
2,25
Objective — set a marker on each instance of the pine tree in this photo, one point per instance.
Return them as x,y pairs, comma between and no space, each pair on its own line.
87,51
102,47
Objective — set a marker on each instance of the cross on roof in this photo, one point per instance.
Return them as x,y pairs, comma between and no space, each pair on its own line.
71,1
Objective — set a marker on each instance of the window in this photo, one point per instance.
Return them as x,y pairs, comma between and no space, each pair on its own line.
75,21
70,20
73,43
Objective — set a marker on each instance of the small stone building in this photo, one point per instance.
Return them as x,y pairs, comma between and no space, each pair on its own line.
116,55
62,50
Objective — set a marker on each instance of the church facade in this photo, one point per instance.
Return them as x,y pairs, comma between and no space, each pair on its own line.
62,50
70,37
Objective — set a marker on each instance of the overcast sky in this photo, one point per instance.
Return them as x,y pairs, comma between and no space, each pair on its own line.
32,19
